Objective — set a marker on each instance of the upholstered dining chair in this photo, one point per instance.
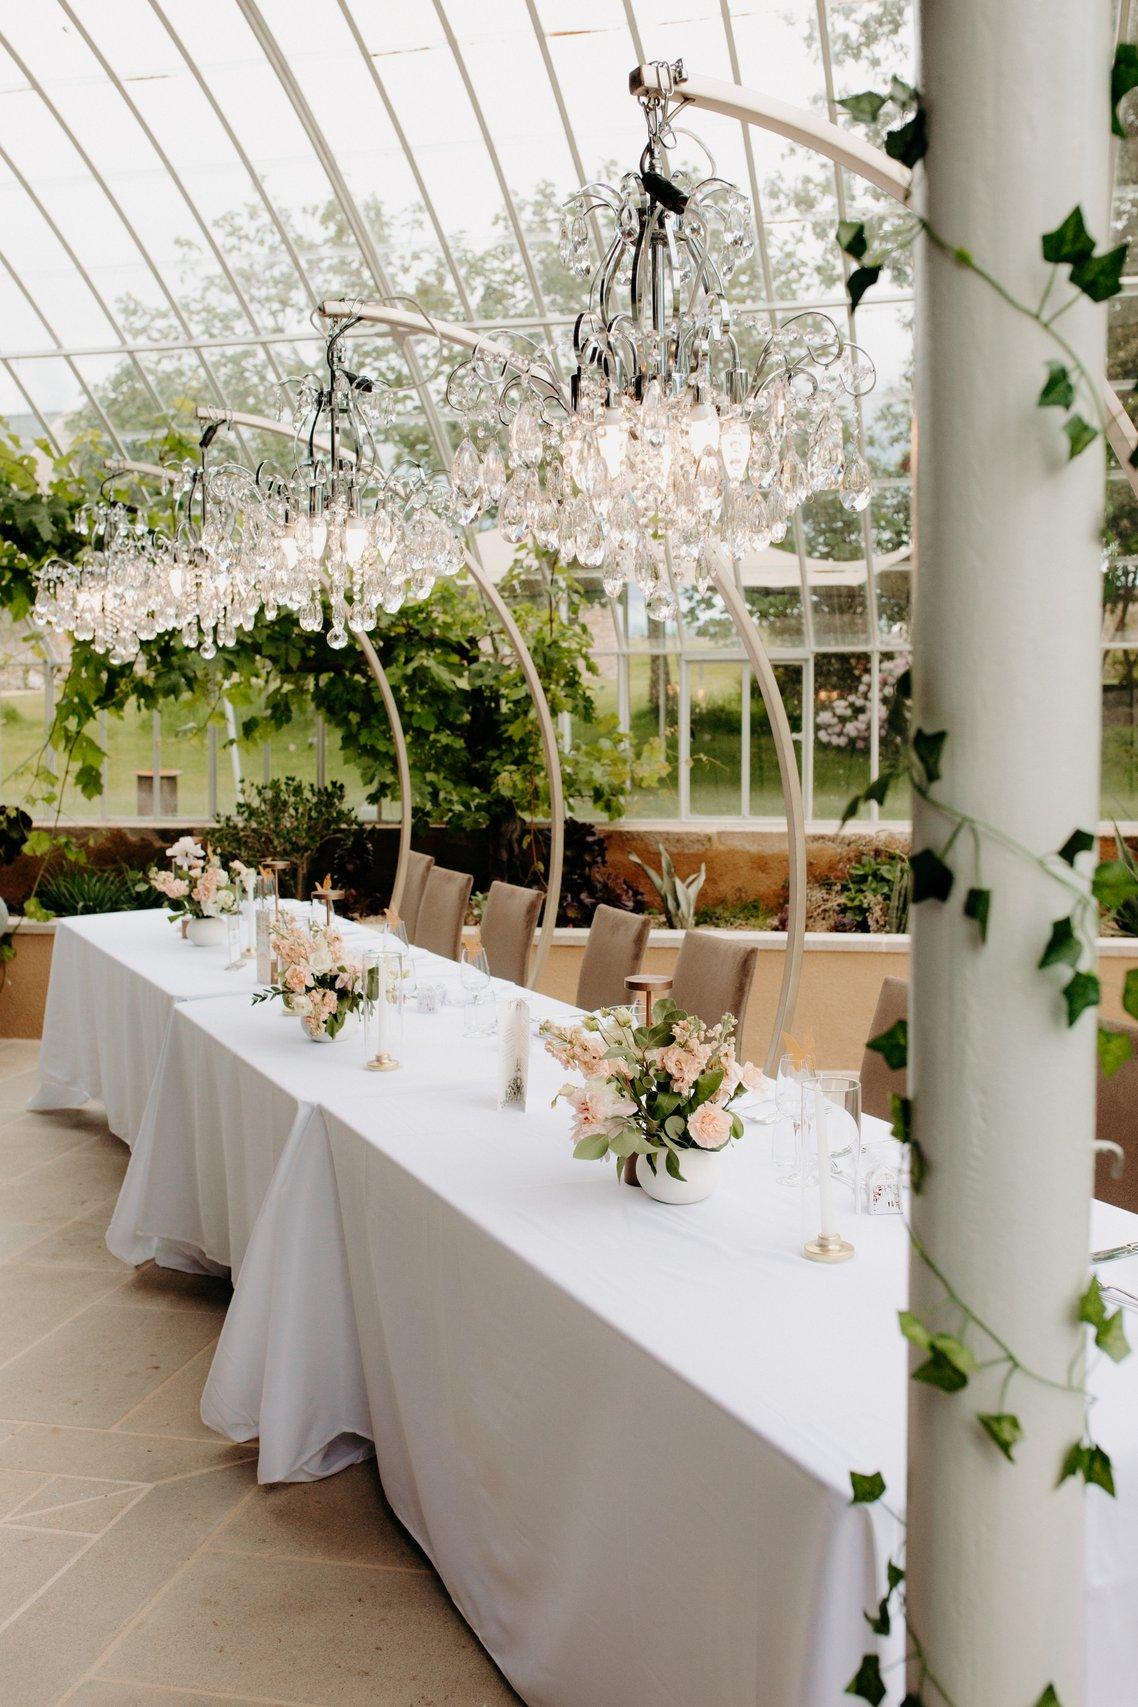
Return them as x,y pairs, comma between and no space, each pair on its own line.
615,949
418,870
1116,1121
713,977
880,1082
508,922
442,911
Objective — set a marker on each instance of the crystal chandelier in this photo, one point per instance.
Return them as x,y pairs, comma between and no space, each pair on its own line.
667,445
371,539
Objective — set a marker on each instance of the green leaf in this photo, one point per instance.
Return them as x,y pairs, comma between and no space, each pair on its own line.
851,237
859,281
1123,78
1058,391
864,107
895,1575
942,1373
928,749
866,1682
866,1489
1092,1464
902,94
1070,241
901,1114
1100,276
1130,993
1080,994
977,905
1063,946
672,1164
1049,1698
880,1622
1111,1338
1114,1048
1092,1305
1004,1429
592,1148
1078,842
914,1329
932,879
1080,434
909,142
893,1045
1113,883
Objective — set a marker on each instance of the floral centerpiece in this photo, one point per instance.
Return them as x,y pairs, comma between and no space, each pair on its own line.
199,888
662,1093
315,978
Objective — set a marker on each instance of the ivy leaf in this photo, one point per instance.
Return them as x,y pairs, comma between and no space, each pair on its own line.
859,281
1063,946
1078,842
1092,1305
1123,78
880,1622
1100,276
902,94
1113,883
928,749
901,1111
1070,241
866,1682
1004,1429
909,142
893,1045
1081,993
895,1575
866,1489
1111,1338
1092,1464
1114,1048
1049,1698
1130,993
977,905
866,106
914,1329
876,790
1058,391
851,238
912,1700
1080,434
932,879
941,1370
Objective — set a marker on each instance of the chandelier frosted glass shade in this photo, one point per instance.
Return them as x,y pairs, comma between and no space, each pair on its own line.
684,433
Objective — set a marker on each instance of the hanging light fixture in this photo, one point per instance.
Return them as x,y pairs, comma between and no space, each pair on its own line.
666,442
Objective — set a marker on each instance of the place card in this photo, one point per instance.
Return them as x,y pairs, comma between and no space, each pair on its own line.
514,1031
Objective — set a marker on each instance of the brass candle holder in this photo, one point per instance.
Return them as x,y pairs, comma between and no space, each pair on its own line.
382,1063
828,1247
329,897
276,866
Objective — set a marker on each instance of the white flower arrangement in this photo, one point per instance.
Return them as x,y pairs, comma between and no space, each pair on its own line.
199,886
651,1090
315,976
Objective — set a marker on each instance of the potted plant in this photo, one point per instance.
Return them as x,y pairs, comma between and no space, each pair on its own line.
200,890
663,1093
315,978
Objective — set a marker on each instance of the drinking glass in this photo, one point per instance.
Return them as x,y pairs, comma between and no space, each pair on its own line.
786,1149
831,1134
474,972
479,1013
234,940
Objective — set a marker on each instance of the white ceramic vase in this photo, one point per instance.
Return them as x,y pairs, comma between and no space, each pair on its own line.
700,1169
205,933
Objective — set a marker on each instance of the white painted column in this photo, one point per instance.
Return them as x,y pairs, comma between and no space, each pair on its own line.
1007,661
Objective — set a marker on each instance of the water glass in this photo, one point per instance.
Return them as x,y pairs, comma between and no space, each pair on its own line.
831,1134
480,1014
786,1150
474,972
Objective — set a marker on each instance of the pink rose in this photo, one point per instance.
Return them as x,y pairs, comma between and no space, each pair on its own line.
710,1126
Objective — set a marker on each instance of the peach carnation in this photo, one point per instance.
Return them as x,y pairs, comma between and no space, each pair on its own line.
710,1126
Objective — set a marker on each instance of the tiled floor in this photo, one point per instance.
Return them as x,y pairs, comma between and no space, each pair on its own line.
140,1563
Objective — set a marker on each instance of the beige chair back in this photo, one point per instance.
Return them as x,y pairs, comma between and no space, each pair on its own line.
443,911
713,977
615,949
1117,1121
418,870
508,923
879,1082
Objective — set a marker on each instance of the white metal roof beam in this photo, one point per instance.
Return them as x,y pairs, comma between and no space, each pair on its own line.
72,369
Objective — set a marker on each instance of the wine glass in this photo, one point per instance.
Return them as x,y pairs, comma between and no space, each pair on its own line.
786,1149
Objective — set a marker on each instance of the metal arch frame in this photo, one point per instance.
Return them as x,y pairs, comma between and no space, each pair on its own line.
67,360
822,136
113,201
175,177
550,750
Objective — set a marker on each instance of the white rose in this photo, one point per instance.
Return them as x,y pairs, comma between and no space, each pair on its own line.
320,958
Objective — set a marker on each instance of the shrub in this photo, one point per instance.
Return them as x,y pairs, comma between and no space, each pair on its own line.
93,889
285,819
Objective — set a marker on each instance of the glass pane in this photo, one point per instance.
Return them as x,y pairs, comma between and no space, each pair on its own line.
129,747
892,560
21,736
841,730
835,548
716,697
653,683
1120,563
766,787
1120,735
185,753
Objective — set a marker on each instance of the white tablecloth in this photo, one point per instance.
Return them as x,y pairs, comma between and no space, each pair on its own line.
115,980
576,1393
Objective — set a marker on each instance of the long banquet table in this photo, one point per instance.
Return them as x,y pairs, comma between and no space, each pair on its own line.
620,1430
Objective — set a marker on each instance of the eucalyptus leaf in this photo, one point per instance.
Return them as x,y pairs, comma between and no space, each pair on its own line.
1081,993
866,1683
928,749
673,1166
864,107
1078,842
977,906
932,878
866,1489
1114,1048
1063,946
1080,434
592,1148
1058,390
892,1045
859,281
1070,241
1004,1429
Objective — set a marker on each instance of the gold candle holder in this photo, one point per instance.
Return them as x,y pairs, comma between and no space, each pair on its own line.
328,896
383,1063
276,866
649,985
828,1247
